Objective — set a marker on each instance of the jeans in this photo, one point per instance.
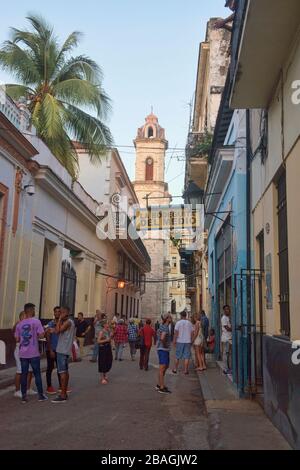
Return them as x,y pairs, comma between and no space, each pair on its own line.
132,348
35,363
95,351
144,357
51,362
119,350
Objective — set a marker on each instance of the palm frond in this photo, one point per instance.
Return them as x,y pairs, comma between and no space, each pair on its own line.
83,94
15,91
19,63
51,116
40,25
89,131
70,43
80,67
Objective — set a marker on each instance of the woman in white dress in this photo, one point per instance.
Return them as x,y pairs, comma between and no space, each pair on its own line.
198,343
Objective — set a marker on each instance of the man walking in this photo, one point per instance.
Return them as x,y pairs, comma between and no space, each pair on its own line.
52,340
65,329
163,350
226,338
133,332
121,338
183,338
28,332
205,325
147,335
82,329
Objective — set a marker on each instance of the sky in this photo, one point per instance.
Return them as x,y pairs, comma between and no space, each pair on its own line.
148,51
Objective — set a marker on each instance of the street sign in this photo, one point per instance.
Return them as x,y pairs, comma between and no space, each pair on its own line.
167,218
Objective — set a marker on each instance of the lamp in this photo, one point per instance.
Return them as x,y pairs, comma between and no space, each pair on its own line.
121,284
193,194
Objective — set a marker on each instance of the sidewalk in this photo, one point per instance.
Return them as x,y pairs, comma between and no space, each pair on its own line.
234,423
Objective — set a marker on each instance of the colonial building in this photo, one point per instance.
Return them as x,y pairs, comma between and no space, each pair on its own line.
50,250
265,79
152,190
212,70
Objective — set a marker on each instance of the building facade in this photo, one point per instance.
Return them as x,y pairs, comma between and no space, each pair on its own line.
152,190
51,253
273,143
212,70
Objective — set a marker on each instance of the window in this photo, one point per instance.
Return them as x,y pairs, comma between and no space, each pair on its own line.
283,255
150,132
127,303
149,169
116,303
122,305
131,306
134,305
212,267
138,308
174,262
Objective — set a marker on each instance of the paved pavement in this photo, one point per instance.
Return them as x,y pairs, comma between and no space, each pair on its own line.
126,414
129,414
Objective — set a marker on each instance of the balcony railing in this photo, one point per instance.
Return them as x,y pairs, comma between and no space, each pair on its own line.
199,145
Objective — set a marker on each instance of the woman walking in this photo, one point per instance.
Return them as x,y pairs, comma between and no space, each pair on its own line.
105,357
199,345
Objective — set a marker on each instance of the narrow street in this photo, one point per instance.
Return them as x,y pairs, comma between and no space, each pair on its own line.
129,414
126,414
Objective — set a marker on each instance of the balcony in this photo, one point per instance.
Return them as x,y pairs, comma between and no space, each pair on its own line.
197,151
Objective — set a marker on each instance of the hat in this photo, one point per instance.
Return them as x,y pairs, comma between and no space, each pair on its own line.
121,321
131,320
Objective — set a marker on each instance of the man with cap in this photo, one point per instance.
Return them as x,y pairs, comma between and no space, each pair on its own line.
133,332
163,350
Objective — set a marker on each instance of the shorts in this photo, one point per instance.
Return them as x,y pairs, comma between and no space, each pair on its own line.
183,351
62,363
18,362
163,357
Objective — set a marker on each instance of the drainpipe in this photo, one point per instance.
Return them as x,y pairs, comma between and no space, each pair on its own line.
248,237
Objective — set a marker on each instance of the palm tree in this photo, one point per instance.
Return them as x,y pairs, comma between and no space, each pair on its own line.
60,91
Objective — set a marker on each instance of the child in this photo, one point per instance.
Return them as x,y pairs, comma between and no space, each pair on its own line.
211,342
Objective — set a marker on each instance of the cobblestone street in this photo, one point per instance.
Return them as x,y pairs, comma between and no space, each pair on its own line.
129,414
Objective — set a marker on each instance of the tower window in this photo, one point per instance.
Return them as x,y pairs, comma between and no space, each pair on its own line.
149,169
150,132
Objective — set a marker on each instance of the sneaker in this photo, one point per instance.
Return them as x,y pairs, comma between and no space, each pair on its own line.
24,400
18,394
174,371
51,391
59,400
31,392
164,391
43,398
157,387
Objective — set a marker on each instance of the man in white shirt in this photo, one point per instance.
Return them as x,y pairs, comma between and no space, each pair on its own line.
183,337
226,338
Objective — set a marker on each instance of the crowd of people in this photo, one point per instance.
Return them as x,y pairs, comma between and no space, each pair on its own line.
110,340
